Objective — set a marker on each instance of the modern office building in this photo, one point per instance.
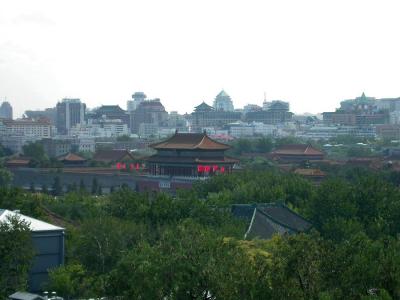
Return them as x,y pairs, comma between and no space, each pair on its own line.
69,113
6,110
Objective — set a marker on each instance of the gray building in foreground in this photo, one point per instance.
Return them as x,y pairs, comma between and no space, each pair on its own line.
48,242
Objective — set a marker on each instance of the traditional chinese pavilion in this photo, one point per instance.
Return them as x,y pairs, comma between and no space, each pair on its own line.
190,154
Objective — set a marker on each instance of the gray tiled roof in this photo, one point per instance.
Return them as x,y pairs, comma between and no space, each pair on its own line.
267,219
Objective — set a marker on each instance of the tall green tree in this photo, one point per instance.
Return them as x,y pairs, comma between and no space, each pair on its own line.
16,254
264,145
95,186
6,177
57,186
82,186
35,150
32,187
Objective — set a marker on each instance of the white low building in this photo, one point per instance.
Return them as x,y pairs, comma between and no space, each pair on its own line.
109,128
241,130
28,128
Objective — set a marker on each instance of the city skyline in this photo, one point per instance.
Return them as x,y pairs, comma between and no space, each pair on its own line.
311,54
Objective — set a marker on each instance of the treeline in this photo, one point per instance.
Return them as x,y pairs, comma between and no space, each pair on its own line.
261,144
154,246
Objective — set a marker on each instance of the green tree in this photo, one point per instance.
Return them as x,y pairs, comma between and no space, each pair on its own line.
242,146
100,190
32,187
16,254
6,177
82,187
124,138
72,188
177,267
95,186
35,150
44,189
359,151
4,151
72,281
57,186
264,145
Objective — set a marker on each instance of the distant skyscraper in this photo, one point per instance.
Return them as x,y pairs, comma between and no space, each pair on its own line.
223,102
6,110
69,113
148,112
138,98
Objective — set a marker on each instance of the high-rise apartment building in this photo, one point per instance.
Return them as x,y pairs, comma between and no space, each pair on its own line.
6,111
69,113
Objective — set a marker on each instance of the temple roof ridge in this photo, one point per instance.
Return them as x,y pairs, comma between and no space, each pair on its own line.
190,141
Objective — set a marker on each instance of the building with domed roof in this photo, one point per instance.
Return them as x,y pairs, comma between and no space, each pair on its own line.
223,102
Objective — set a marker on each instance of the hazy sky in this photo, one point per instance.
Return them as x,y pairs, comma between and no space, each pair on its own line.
312,53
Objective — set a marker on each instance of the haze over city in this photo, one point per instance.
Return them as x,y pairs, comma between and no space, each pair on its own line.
310,53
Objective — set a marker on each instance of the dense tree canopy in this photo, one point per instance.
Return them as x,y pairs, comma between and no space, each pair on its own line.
155,246
16,253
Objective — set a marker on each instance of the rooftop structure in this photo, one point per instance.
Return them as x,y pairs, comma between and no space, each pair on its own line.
362,110
190,155
108,156
268,219
192,141
48,113
138,98
297,153
274,112
223,102
25,296
48,243
205,116
72,159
